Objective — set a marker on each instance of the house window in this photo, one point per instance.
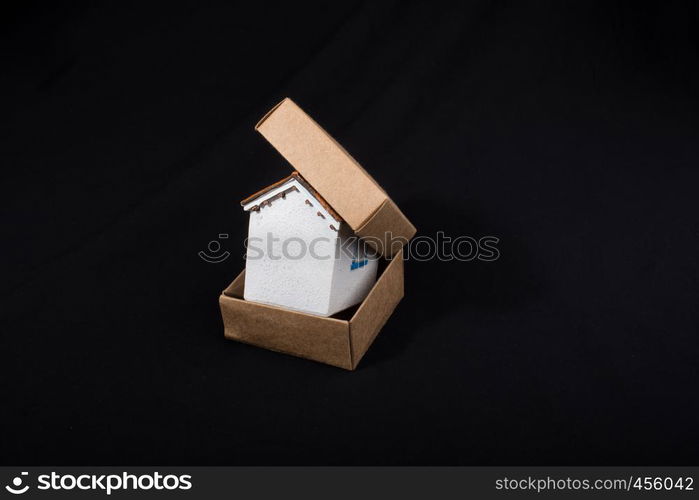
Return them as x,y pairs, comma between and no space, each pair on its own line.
356,264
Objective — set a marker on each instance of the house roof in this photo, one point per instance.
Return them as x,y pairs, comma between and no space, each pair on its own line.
294,176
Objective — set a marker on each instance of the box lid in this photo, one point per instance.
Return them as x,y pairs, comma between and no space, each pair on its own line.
339,179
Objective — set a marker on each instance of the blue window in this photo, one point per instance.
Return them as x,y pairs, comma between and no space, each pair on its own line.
356,264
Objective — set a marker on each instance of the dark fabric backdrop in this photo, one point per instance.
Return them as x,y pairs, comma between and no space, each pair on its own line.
569,130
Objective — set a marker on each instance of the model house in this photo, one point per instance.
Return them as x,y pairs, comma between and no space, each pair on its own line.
301,255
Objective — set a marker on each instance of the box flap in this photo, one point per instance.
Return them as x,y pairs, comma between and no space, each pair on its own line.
332,171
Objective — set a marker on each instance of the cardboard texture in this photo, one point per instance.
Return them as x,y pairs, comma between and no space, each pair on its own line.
332,171
333,341
370,213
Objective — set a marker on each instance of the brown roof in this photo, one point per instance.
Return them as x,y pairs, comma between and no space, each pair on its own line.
297,176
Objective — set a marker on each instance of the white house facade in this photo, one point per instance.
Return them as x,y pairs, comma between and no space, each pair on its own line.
301,255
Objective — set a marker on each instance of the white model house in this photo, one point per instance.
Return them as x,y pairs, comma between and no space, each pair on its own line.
301,255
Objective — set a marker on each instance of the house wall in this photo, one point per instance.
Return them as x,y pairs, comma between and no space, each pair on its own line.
354,273
329,275
277,271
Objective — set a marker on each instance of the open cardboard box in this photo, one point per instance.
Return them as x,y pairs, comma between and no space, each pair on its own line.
337,340
340,340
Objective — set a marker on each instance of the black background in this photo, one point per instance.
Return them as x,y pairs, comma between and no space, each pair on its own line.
568,130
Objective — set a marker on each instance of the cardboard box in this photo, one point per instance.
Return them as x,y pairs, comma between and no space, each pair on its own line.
335,341
340,340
